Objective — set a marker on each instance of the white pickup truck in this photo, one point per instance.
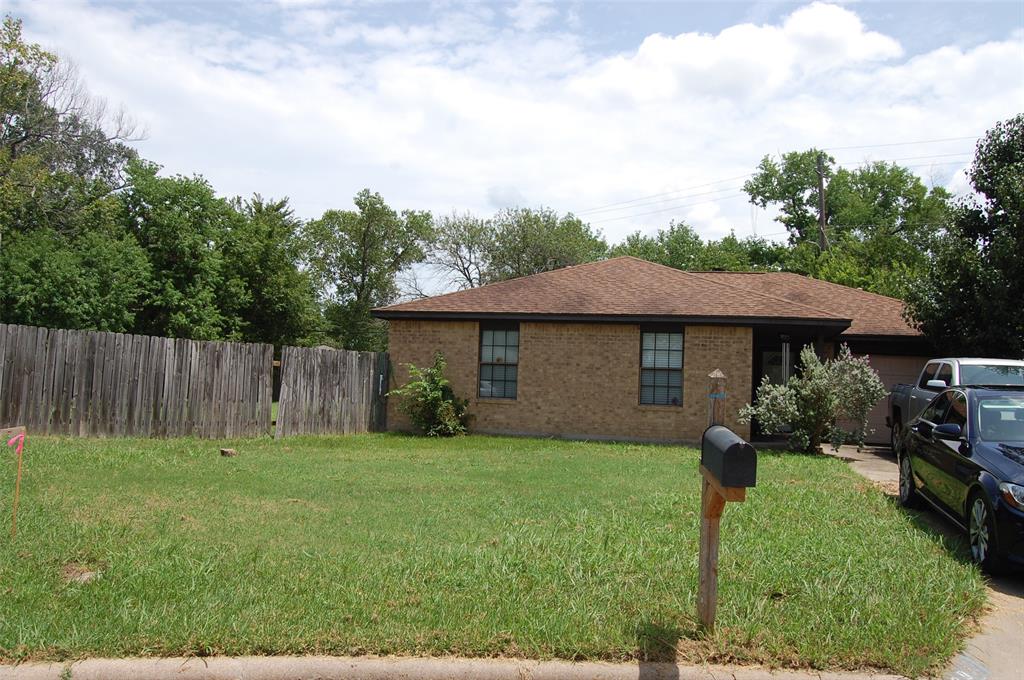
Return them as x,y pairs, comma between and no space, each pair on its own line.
906,401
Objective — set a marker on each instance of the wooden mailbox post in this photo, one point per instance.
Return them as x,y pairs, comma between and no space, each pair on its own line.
728,465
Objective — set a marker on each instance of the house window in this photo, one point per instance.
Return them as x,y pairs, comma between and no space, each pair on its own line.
499,360
661,368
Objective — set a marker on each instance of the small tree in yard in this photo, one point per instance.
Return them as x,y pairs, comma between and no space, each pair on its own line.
815,402
430,402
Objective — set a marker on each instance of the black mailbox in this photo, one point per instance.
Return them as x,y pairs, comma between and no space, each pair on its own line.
732,461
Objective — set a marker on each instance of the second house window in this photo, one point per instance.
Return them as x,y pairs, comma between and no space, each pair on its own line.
499,360
661,368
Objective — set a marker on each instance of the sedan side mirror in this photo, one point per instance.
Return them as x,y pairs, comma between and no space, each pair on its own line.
937,384
950,431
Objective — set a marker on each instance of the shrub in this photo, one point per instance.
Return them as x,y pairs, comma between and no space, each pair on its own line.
430,402
818,400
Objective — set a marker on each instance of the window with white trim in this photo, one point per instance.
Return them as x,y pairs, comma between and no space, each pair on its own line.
499,361
661,367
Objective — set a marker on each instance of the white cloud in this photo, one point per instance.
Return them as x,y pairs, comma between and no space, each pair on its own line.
468,109
529,15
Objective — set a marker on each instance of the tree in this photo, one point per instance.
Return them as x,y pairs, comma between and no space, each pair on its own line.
354,257
970,300
881,220
182,225
264,251
679,246
527,241
61,149
791,185
96,280
460,249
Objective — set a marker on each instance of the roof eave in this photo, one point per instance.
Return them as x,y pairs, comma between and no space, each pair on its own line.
835,323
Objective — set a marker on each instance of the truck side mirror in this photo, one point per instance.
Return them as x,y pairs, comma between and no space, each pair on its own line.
937,384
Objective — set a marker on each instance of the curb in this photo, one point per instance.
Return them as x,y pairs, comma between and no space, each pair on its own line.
387,668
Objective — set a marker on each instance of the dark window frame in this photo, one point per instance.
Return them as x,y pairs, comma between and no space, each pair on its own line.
667,377
489,368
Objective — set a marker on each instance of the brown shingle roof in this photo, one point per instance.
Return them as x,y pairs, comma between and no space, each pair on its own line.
634,288
871,314
619,287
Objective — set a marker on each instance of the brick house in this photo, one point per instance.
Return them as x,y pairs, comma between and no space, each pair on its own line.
621,348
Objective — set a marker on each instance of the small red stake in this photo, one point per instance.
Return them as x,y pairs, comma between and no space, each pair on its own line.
18,438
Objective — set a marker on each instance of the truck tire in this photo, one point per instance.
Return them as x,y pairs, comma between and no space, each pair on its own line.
894,436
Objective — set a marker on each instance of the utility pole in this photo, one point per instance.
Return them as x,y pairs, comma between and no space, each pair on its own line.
822,217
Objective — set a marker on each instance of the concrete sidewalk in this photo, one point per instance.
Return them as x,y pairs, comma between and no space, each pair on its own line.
392,668
996,651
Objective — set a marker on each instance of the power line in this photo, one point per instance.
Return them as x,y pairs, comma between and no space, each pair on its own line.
914,158
643,201
663,200
664,193
876,146
676,207
917,165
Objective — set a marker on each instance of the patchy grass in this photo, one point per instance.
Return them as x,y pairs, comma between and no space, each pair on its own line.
476,546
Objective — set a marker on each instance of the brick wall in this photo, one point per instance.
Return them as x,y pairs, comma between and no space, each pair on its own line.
579,380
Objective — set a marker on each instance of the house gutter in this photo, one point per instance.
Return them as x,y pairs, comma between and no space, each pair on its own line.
836,323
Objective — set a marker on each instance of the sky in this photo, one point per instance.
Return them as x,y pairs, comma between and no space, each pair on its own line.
628,114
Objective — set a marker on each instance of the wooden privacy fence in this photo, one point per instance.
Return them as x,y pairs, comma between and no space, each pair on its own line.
93,383
327,391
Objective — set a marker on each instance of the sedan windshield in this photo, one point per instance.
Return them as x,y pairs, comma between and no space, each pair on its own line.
991,375
1001,419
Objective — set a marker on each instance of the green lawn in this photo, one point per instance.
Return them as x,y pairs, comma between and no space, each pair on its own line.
476,546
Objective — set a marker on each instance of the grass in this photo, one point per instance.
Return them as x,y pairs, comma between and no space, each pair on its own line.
477,546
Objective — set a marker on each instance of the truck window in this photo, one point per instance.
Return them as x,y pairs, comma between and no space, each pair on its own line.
927,374
933,414
991,375
957,413
945,373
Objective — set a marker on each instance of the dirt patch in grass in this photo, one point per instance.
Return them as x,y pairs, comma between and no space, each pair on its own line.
75,572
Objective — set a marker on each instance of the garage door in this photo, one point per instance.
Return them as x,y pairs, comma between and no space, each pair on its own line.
891,369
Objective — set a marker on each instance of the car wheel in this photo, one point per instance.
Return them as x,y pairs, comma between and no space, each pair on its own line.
908,493
894,439
981,534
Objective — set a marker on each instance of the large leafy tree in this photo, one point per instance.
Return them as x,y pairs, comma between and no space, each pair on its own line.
970,300
66,259
95,280
790,184
182,225
264,250
355,256
881,221
681,247
61,149
527,241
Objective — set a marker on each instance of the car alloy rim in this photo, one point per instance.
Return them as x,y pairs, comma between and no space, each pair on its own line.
979,531
904,478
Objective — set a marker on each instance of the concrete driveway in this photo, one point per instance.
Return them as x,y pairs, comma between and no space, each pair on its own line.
996,651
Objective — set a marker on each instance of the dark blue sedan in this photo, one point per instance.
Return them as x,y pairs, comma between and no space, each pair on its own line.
964,456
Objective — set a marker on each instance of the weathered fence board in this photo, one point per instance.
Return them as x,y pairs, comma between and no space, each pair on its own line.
100,384
327,391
